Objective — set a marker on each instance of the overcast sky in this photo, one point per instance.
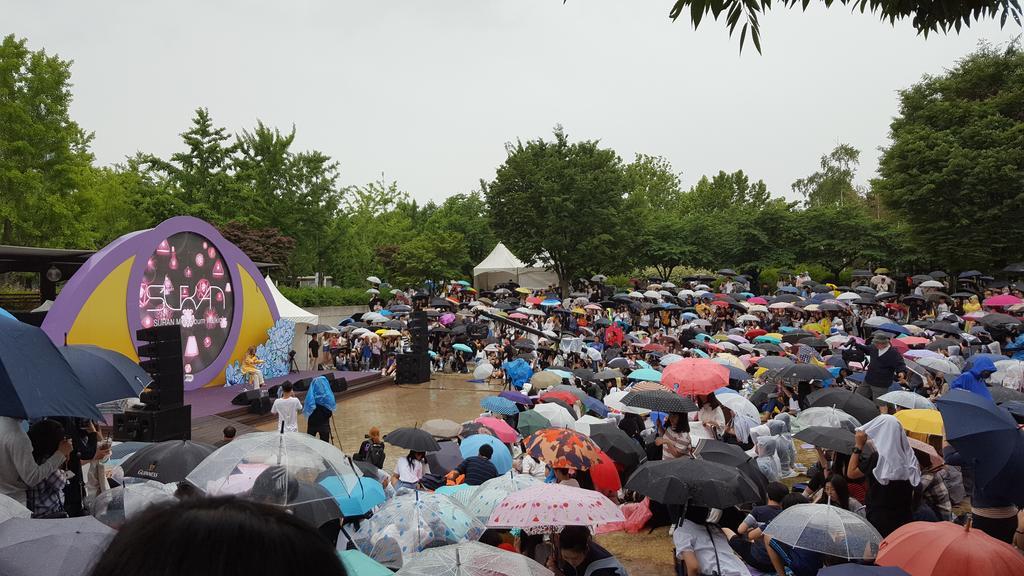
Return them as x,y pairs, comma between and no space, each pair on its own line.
427,92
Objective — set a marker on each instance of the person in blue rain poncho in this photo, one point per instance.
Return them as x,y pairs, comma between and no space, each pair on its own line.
319,408
974,379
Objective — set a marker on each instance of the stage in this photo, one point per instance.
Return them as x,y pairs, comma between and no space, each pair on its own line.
216,401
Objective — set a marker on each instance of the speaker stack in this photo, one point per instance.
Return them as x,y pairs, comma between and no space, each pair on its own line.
414,366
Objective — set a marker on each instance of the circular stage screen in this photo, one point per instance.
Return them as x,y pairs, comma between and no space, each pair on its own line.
187,283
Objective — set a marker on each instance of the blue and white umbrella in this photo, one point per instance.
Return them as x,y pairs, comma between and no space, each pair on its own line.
499,405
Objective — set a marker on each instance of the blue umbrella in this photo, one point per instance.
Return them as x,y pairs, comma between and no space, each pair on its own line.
358,564
551,302
981,431
6,314
35,379
893,328
106,374
462,347
518,372
364,497
643,364
789,289
502,458
645,374
560,373
499,405
596,406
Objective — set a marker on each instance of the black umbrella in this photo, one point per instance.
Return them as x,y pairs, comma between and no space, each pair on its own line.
962,294
852,403
439,330
702,482
814,342
367,469
726,272
584,373
603,322
1017,268
618,445
941,344
525,344
446,459
937,274
769,347
945,328
865,290
969,274
620,363
1002,394
608,374
997,320
319,329
166,462
865,301
660,401
761,395
790,298
774,362
471,428
732,455
413,439
803,372
827,437
796,336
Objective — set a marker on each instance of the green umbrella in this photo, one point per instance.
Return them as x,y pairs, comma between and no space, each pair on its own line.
531,421
358,564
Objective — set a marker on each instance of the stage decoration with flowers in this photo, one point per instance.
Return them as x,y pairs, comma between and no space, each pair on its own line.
273,352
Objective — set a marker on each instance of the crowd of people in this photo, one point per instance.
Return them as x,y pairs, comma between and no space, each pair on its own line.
850,402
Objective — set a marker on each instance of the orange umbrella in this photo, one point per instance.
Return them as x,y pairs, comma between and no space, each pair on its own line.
567,397
563,448
947,549
694,376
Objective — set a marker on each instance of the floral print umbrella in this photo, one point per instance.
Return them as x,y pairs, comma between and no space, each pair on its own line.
548,505
563,448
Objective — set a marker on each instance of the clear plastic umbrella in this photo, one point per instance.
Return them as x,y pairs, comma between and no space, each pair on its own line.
11,508
905,399
411,522
482,501
117,505
826,529
739,404
558,416
471,559
824,416
291,470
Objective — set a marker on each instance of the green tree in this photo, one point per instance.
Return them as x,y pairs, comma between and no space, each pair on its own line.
955,170
725,190
832,185
465,214
564,203
43,152
837,237
653,200
926,17
430,256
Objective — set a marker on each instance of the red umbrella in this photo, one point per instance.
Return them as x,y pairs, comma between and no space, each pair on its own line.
914,340
605,475
947,549
751,334
757,300
900,345
694,376
534,300
655,348
720,303
567,397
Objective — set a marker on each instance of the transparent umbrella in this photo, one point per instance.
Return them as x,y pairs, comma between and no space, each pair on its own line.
471,559
906,399
411,522
824,416
291,470
117,505
827,530
11,508
482,501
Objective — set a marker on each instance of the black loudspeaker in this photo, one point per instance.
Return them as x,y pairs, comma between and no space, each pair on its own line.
161,356
261,405
154,425
275,390
301,385
418,334
412,369
244,398
476,331
338,385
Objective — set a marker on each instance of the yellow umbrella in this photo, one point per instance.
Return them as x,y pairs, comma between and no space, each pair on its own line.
921,421
732,359
391,333
775,335
578,310
721,336
522,290
381,331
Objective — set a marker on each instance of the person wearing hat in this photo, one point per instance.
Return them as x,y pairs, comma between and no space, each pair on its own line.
884,364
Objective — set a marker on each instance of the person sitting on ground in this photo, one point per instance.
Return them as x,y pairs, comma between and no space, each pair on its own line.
837,493
701,546
478,469
264,540
579,555
372,449
229,435
749,543
799,561
564,476
409,470
675,437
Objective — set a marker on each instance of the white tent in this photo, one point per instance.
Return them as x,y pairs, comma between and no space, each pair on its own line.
501,265
288,309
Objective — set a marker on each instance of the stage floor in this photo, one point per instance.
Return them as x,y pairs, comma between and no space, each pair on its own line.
217,400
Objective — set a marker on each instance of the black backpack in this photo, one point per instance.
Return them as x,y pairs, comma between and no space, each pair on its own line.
372,453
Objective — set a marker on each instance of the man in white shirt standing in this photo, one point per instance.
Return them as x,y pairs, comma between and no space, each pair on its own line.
287,409
18,469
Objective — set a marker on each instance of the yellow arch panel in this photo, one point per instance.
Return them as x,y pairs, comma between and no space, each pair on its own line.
256,320
103,319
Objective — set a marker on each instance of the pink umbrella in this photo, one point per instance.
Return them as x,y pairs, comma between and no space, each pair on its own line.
757,300
501,429
447,318
694,376
545,505
517,316
975,315
914,340
1002,300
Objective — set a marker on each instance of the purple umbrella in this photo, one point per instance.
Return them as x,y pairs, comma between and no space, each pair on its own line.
447,318
517,397
738,339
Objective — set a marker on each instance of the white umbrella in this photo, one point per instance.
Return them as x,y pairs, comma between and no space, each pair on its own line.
748,318
117,505
739,405
667,284
652,294
557,415
824,416
758,308
482,370
492,348
848,296
373,280
905,399
876,321
11,508
613,400
635,294
583,424
373,291
780,305
931,284
939,365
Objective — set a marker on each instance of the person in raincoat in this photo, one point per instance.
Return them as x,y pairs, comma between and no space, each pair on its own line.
318,408
974,379
251,368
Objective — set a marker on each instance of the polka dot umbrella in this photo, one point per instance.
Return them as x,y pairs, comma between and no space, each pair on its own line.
550,505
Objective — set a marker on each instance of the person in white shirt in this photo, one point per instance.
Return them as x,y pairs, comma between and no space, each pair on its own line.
18,469
409,470
701,546
287,409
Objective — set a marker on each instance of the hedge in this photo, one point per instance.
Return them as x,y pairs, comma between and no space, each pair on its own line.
331,296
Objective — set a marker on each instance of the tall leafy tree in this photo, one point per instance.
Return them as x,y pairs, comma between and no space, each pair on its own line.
466,215
832,184
955,169
563,203
43,152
